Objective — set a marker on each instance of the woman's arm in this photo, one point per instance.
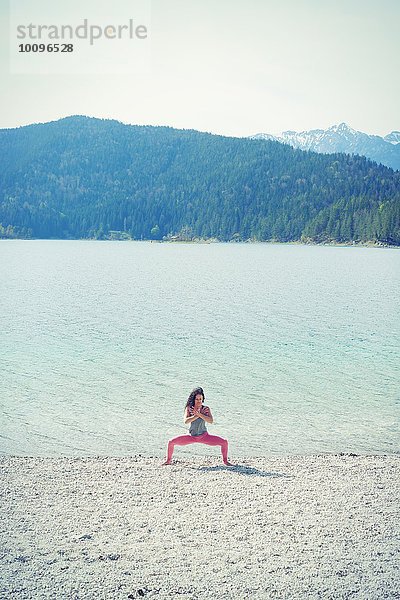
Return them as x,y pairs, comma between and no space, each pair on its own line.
187,419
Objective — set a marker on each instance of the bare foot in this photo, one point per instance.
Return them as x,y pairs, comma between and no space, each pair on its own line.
228,464
166,463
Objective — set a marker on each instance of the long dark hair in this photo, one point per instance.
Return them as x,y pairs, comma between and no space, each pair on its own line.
192,396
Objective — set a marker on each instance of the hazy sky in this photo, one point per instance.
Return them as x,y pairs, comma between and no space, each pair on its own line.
234,67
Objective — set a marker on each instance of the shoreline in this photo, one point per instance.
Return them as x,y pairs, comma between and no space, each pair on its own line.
187,458
293,527
332,244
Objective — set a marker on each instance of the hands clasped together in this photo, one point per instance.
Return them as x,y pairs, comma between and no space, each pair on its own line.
196,413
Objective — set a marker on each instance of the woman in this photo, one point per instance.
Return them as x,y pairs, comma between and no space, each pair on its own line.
197,415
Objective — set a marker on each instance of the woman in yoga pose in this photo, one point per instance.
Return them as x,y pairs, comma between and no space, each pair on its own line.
197,415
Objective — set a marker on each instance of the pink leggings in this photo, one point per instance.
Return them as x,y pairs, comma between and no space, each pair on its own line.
204,438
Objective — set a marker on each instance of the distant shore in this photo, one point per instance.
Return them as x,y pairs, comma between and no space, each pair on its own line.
368,244
293,527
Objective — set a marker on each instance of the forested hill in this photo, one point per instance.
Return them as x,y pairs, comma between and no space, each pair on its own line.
82,177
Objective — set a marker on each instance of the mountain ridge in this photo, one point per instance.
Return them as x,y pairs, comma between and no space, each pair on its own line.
343,138
87,178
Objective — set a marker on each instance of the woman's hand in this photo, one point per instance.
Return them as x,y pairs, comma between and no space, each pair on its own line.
197,413
200,414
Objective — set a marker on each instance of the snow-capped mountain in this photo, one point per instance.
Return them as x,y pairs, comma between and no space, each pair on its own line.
342,138
393,138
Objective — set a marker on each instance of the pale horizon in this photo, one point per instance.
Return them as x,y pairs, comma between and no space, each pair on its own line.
276,133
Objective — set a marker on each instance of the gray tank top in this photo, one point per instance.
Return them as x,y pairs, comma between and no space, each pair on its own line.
198,427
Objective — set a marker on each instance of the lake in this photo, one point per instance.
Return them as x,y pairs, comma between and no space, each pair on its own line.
296,347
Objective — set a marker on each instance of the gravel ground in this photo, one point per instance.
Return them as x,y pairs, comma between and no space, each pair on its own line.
322,526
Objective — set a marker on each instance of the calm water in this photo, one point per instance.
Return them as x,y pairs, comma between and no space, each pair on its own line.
296,347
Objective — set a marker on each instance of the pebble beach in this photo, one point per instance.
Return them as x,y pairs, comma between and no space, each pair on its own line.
292,527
